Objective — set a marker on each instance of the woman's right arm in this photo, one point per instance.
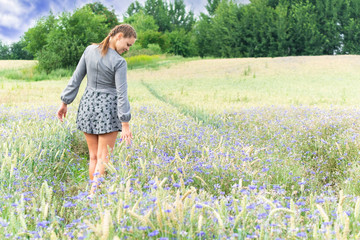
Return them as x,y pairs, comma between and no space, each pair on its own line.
71,90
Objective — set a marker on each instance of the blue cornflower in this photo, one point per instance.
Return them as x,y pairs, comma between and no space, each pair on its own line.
154,233
301,234
69,204
43,224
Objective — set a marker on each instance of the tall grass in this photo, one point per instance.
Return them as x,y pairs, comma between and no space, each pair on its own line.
33,74
260,172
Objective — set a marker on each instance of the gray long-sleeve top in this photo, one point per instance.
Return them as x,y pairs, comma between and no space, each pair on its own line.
104,74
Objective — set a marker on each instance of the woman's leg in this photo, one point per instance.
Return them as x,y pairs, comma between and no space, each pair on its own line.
92,142
105,141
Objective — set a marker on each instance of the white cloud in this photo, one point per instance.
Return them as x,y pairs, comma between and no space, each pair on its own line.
13,7
10,21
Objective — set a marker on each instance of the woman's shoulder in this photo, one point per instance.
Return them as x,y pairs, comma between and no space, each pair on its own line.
116,58
91,47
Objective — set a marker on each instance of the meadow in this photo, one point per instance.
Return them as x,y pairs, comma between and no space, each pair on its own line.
253,148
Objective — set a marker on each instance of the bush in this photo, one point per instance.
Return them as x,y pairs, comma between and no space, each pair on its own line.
136,50
141,61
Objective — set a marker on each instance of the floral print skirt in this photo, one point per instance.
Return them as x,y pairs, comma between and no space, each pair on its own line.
97,113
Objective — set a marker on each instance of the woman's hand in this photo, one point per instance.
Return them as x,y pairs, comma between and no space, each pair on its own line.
126,134
62,112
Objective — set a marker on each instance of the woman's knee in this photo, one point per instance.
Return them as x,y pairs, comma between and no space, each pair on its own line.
93,157
103,155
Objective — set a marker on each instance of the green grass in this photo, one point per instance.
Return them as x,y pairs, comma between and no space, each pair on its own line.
33,74
222,148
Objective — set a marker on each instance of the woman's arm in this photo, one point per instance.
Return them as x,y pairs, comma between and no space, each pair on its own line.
71,90
123,105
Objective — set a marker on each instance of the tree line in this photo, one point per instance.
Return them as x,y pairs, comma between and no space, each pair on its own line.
262,28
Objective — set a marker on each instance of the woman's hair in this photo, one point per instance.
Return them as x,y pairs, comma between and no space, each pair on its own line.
126,29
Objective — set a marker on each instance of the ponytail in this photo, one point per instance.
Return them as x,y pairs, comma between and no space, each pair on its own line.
126,29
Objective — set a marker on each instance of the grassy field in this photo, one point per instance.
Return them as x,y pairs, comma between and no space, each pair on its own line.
264,148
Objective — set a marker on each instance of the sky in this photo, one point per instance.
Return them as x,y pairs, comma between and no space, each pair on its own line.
17,16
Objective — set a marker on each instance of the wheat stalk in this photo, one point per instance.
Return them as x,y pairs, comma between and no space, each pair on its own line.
92,227
322,213
337,231
136,204
106,225
119,211
185,195
315,230
272,212
159,213
53,235
357,208
292,218
144,219
269,202
216,214
346,227
200,222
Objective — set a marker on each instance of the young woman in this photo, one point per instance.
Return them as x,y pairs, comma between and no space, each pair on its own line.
104,108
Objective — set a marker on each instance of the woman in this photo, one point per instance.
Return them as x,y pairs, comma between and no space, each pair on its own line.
104,108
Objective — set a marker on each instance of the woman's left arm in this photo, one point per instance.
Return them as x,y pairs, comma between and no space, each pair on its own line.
123,105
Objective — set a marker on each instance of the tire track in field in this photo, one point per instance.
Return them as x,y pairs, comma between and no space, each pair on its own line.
198,115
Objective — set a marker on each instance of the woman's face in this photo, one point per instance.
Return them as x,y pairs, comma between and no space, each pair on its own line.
123,44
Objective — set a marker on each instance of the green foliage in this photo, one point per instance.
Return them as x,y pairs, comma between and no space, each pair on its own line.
36,37
159,10
99,9
34,74
306,37
136,49
151,37
142,22
203,35
133,8
226,30
68,39
179,18
351,28
141,61
180,42
262,28
18,51
211,6
4,51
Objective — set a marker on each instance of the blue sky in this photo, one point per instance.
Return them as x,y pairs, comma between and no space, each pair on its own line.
16,16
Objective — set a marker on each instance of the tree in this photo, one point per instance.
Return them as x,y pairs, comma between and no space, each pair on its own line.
203,35
211,6
69,37
133,8
158,9
17,51
178,16
142,22
4,51
327,18
181,43
306,38
283,28
351,28
35,37
99,9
